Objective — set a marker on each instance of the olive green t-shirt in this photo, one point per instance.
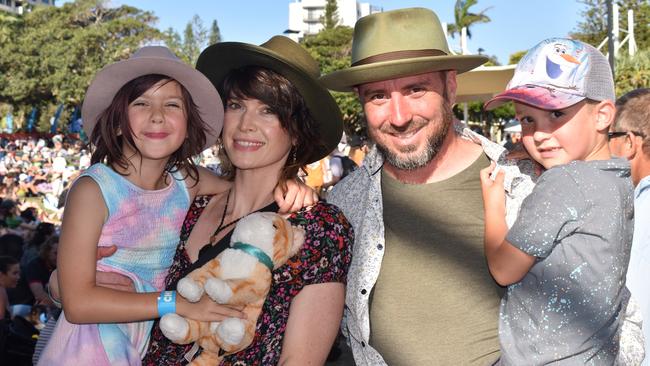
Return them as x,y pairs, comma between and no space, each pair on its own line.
435,302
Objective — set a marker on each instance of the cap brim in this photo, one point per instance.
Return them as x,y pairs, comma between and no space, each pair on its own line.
218,60
345,80
112,78
535,96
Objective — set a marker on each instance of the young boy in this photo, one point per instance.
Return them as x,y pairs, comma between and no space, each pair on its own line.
564,259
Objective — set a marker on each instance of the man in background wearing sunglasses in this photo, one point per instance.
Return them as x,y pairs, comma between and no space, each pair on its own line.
629,137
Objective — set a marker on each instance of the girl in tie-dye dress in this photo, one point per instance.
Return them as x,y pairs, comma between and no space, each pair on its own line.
152,113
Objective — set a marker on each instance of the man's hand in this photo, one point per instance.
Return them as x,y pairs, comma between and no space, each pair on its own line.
297,196
104,279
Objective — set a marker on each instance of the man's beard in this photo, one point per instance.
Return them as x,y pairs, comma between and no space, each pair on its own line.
403,159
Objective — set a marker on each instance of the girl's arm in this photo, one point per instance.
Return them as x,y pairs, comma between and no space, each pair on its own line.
314,319
507,263
83,300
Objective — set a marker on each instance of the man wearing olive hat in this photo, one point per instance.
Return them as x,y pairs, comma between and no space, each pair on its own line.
419,291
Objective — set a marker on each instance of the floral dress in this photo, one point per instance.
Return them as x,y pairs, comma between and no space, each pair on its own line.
324,257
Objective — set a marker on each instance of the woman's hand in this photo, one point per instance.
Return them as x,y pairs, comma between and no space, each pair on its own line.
297,196
207,310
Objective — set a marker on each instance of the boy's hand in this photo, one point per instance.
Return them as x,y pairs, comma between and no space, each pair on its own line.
494,197
297,196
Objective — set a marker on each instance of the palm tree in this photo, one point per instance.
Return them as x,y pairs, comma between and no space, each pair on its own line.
465,19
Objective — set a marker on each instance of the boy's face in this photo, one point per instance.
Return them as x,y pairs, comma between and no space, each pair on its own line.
558,137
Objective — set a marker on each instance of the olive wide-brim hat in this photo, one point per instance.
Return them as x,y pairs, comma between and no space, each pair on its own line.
289,59
395,44
153,60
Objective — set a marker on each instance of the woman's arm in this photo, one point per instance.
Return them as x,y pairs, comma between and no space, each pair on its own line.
314,319
39,294
4,302
84,301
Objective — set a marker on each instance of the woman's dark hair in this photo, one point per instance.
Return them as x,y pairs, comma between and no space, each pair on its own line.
43,231
284,99
6,262
28,215
12,245
46,248
113,128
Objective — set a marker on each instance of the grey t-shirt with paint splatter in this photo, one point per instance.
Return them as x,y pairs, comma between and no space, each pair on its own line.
578,222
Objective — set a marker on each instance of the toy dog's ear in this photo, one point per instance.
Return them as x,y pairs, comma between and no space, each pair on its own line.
298,238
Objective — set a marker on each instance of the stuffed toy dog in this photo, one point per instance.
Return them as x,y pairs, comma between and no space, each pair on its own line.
240,275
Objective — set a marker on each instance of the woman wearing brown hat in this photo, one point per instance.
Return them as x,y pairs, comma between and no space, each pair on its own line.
278,118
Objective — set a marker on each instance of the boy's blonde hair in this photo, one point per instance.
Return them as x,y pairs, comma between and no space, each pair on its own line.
633,114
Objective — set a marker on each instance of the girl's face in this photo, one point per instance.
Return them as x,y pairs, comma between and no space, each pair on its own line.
158,121
10,279
558,137
253,135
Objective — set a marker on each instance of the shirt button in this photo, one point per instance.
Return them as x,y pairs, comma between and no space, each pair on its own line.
380,247
363,344
363,291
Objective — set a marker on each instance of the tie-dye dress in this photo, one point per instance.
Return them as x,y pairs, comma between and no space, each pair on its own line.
145,226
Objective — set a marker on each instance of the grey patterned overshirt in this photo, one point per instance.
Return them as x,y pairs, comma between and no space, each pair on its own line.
359,196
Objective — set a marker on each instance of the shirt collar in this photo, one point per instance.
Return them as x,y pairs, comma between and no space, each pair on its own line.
644,185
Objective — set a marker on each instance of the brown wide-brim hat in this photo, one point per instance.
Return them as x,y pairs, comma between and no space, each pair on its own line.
153,60
290,60
396,44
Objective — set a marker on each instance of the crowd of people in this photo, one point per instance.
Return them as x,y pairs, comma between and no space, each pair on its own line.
435,246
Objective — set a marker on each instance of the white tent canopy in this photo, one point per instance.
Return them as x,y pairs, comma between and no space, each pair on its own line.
483,83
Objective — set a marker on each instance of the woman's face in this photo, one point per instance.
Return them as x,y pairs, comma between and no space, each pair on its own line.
253,135
10,279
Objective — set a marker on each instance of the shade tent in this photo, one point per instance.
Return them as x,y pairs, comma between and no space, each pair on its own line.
483,83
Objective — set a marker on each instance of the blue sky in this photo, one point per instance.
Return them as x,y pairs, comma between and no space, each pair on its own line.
516,24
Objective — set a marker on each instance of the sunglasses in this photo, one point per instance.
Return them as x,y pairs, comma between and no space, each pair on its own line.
615,134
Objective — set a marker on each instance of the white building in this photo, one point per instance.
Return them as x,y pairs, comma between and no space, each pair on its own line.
17,6
305,16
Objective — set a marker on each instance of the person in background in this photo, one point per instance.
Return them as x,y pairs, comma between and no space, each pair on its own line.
9,276
629,138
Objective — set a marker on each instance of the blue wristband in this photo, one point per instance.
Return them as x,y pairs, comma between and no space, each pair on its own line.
166,303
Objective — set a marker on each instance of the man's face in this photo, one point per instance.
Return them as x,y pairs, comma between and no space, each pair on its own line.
409,117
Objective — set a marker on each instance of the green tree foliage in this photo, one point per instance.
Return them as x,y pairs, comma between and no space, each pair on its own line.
593,28
215,33
55,51
173,40
195,37
332,49
633,72
331,17
515,57
464,18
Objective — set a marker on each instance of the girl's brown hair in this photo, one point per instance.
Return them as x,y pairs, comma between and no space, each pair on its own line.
113,128
284,99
